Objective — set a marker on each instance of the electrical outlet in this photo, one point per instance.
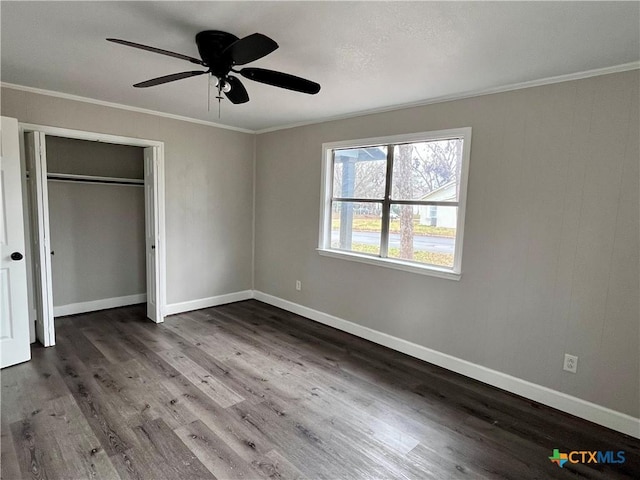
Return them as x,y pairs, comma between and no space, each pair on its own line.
298,285
570,363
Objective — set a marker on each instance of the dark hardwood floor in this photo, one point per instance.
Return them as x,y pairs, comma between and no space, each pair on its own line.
250,391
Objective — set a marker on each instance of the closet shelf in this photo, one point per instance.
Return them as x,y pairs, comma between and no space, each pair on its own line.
68,177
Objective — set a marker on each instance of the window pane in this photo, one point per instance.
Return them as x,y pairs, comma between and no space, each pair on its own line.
359,172
423,233
356,226
427,170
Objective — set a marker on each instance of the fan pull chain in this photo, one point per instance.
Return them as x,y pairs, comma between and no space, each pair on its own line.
219,97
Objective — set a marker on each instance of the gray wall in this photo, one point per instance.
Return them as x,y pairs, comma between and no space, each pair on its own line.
208,185
551,251
82,157
97,234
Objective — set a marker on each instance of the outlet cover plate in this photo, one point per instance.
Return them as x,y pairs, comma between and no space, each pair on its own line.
570,363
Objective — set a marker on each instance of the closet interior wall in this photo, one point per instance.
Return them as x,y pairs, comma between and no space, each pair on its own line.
97,226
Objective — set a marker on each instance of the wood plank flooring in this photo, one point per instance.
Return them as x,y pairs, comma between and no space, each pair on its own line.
249,391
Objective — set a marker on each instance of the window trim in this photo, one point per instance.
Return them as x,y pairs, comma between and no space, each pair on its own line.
324,234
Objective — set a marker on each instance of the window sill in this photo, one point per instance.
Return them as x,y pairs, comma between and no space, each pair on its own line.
388,263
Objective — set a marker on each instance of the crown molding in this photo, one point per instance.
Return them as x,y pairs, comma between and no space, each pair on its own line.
446,98
469,94
77,98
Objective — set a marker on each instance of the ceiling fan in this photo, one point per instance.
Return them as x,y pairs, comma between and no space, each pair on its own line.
220,53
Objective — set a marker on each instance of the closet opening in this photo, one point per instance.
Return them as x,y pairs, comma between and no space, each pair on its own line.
96,222
96,205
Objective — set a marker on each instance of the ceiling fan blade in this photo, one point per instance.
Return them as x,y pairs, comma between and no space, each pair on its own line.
168,78
249,49
156,50
279,79
237,94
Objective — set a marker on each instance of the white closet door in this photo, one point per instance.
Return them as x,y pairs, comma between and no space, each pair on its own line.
37,165
151,234
14,307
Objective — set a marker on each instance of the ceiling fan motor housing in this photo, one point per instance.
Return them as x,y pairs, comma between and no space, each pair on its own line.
211,45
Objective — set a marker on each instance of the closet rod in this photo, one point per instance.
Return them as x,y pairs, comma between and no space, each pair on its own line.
67,177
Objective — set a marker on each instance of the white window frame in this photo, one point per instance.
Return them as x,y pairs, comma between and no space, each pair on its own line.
324,237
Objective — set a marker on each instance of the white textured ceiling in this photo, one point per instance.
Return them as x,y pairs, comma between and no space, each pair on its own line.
366,55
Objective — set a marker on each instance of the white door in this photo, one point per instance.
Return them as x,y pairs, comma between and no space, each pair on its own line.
151,234
14,307
37,164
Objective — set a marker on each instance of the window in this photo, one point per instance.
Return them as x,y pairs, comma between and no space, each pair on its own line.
397,201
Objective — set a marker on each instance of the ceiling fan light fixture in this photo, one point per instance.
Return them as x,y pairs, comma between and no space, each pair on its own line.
220,83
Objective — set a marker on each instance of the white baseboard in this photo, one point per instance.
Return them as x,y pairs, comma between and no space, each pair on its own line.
92,306
181,307
561,401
